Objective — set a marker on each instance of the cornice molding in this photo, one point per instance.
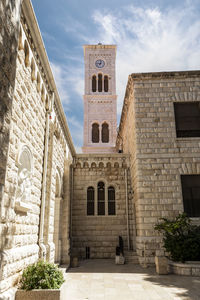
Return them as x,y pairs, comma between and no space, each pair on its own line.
34,37
167,75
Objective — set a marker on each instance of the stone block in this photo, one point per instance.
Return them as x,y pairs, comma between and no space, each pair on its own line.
161,265
119,260
196,271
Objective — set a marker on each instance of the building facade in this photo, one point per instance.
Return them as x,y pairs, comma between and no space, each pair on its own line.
55,203
159,128
102,207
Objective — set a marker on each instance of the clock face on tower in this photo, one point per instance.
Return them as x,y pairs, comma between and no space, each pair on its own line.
100,63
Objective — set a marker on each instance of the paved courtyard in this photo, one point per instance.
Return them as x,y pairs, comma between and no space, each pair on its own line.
102,279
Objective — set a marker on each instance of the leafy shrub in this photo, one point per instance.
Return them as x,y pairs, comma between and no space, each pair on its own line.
41,275
181,238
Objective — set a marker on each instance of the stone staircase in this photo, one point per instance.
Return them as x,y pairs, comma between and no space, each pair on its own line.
131,257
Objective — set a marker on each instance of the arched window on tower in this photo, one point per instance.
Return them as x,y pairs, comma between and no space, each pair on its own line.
95,133
111,200
106,83
99,82
105,133
94,83
90,201
101,198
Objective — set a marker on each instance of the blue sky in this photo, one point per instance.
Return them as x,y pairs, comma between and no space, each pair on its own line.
159,35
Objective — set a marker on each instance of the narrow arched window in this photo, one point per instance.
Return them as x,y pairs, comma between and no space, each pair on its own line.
47,102
105,133
106,83
58,185
26,50
43,93
32,70
38,82
111,200
94,83
99,82
20,44
95,133
101,198
90,201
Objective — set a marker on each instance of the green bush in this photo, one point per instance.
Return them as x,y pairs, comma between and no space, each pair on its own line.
181,238
41,275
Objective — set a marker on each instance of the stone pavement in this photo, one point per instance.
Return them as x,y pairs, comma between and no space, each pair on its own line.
101,279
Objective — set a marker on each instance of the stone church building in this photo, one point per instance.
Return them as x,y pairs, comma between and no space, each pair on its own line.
55,203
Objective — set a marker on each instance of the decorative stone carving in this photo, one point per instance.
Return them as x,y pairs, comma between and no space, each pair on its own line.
24,180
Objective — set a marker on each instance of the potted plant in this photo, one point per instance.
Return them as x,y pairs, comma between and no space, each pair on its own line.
42,280
182,242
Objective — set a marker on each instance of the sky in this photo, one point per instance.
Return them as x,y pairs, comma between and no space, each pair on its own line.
151,36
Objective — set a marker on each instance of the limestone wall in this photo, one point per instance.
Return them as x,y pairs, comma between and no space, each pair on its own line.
157,157
9,24
27,130
100,233
37,129
58,199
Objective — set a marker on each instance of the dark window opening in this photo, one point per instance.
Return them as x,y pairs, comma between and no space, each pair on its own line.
187,118
105,133
105,83
99,82
101,199
87,252
191,194
94,83
111,201
90,201
95,133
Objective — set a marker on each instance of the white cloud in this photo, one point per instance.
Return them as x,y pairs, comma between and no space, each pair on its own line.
76,131
74,122
150,40
74,27
68,80
72,76
76,79
60,75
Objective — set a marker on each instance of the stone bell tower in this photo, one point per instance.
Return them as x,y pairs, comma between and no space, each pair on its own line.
100,99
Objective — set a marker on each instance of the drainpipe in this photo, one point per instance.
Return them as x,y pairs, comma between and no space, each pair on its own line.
71,200
42,250
127,209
